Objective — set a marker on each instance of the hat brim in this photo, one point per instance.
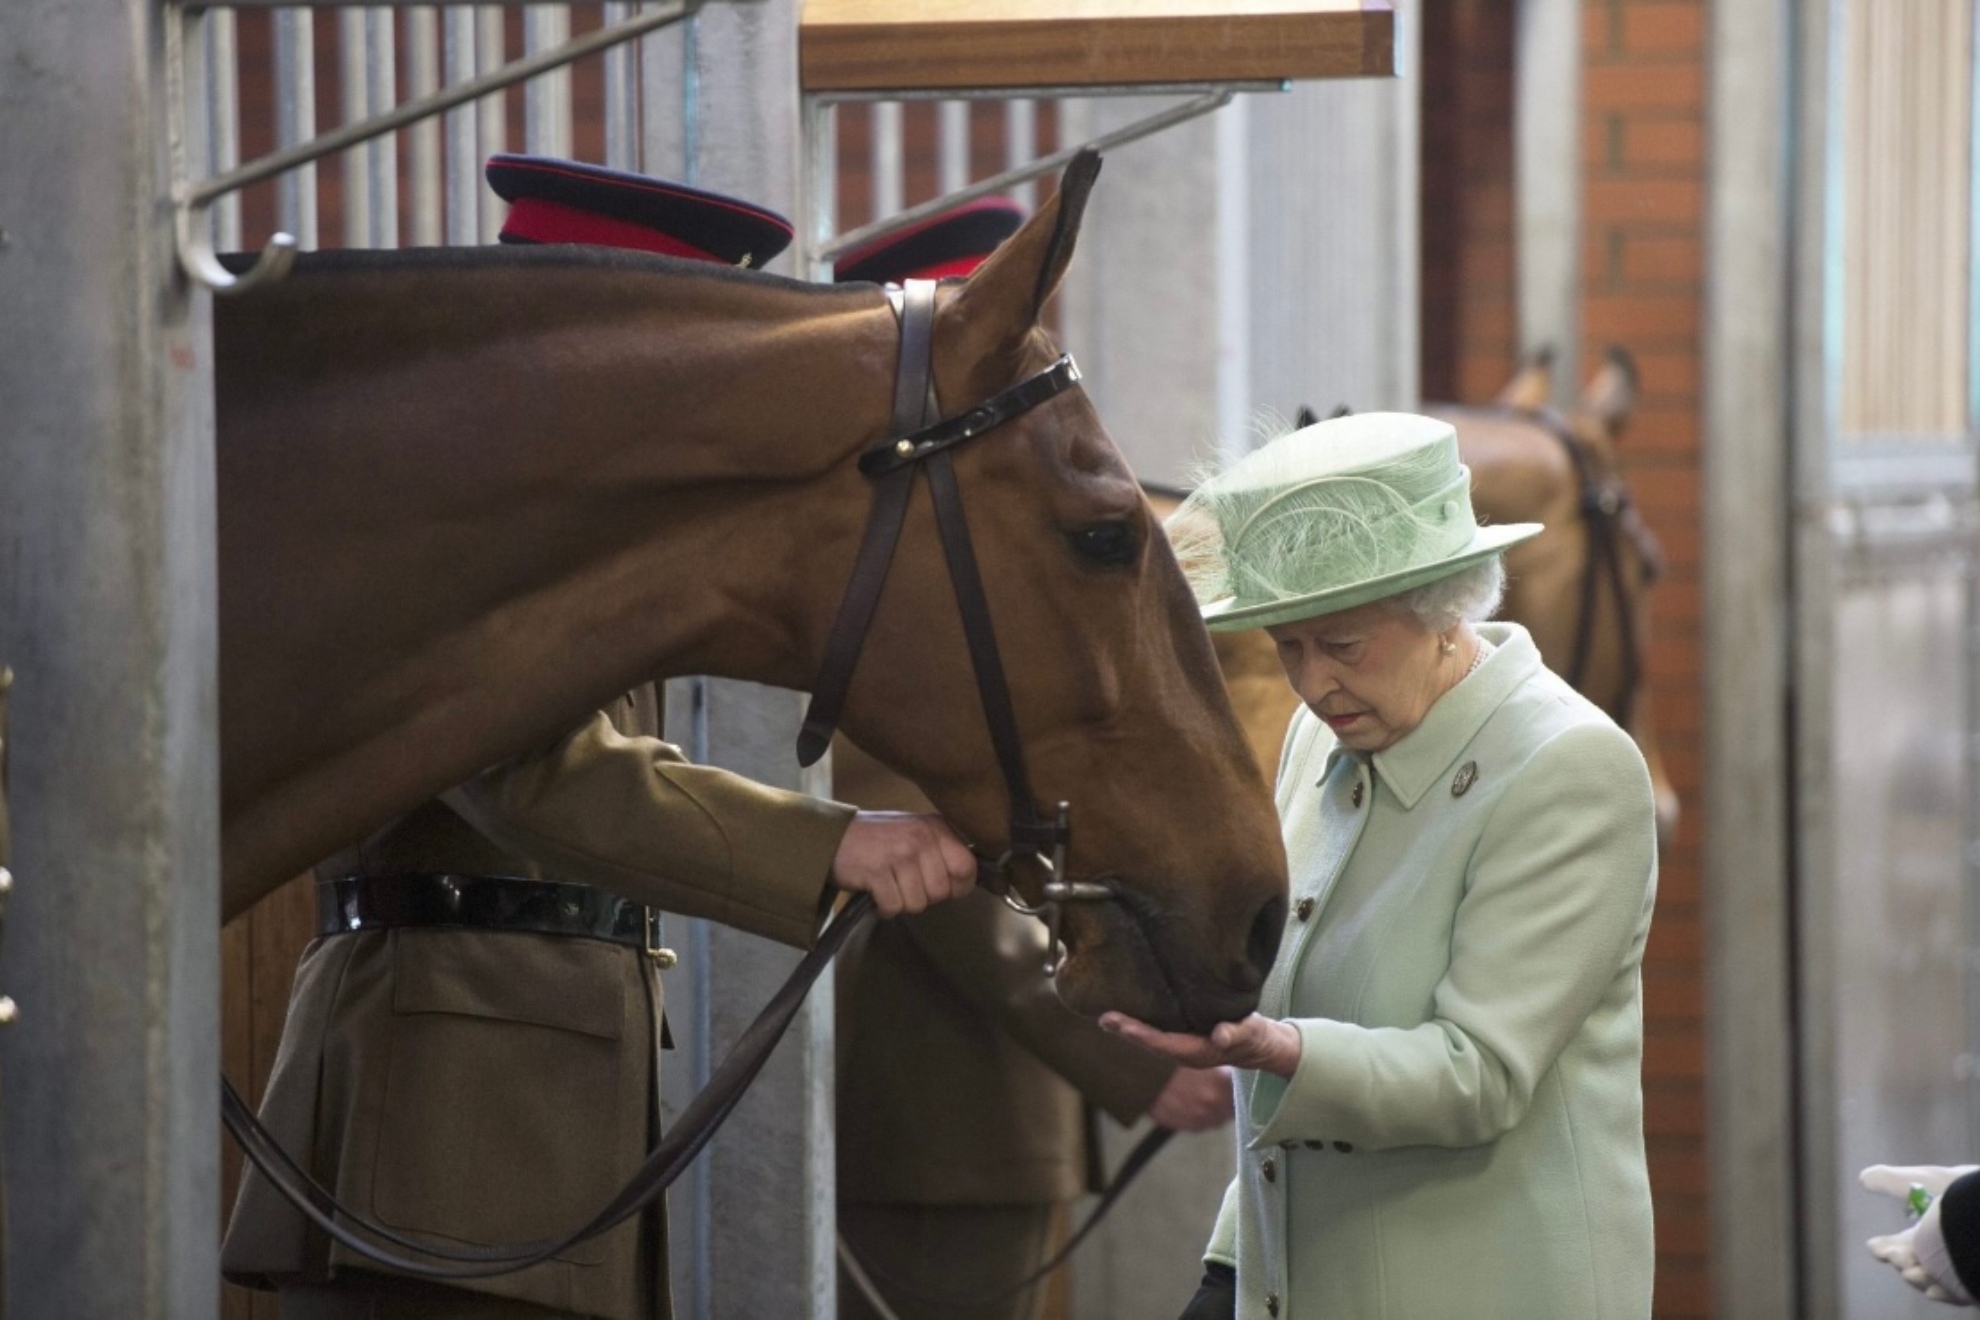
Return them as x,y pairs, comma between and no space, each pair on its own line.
1228,616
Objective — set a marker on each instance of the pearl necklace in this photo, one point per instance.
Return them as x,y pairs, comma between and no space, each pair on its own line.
1485,648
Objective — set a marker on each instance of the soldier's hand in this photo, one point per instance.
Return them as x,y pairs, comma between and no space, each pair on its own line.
1195,1100
906,862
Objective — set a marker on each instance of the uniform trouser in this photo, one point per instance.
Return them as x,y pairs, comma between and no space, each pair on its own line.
924,1259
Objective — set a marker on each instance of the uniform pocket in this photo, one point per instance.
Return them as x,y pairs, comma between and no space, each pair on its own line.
504,1110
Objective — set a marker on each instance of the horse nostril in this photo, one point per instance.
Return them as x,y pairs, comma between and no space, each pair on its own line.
1261,946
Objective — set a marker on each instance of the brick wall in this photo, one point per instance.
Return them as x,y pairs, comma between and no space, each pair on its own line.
1643,157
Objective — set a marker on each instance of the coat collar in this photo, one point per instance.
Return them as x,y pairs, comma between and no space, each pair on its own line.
1422,757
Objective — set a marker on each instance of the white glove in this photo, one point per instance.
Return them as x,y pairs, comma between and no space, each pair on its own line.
1919,1253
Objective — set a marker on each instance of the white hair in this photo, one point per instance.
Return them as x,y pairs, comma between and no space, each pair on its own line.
1470,595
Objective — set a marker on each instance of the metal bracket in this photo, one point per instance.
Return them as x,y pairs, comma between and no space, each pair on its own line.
8,1011
191,200
1203,98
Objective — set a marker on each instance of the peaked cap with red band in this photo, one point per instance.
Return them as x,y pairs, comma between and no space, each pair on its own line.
952,243
565,201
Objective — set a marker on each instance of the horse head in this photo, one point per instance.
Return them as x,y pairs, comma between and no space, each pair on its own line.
1116,689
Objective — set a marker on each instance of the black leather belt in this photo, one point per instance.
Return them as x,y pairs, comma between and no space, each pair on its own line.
484,902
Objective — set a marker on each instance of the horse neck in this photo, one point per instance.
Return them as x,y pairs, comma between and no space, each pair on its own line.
511,497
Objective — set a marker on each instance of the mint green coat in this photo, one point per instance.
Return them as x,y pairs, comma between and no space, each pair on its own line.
1464,1134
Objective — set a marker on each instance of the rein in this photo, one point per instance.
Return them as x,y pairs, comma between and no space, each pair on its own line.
920,445
1608,514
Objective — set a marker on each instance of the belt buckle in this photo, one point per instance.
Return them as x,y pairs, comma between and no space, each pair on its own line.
662,958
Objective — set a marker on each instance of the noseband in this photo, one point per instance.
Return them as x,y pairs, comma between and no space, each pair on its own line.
922,442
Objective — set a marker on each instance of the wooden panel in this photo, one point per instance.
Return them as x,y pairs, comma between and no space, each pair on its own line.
258,956
865,45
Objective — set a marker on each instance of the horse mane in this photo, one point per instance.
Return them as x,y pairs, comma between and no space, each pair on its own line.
514,256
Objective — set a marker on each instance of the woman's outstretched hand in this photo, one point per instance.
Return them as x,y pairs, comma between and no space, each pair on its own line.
1256,1042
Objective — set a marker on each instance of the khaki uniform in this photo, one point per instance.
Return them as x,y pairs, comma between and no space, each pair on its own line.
967,1097
487,1087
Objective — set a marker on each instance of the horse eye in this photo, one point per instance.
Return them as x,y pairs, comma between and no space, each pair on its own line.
1111,544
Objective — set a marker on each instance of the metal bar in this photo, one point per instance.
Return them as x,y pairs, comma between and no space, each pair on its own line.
295,121
423,79
355,134
1212,100
889,162
463,147
1021,146
1044,91
1547,185
354,100
952,146
108,617
621,97
381,93
492,113
547,100
223,118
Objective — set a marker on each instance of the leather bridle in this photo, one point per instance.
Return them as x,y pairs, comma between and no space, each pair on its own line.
1608,515
918,446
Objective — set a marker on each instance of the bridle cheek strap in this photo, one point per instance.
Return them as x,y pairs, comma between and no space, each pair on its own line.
919,444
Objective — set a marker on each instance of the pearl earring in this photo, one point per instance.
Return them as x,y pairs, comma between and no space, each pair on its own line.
1449,647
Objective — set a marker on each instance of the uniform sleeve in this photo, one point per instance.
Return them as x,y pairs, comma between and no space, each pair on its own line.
996,959
632,815
1556,907
1223,1238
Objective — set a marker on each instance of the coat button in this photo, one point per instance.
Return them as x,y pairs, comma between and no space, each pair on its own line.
1271,1303
1355,797
1344,1147
1305,909
1271,1169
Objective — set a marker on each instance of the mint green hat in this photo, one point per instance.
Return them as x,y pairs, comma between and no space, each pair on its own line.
1335,515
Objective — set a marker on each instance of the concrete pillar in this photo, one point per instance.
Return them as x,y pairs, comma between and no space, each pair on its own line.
753,1222
107,583
1547,185
1229,271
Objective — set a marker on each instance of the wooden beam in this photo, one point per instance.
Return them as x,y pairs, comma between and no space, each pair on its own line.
878,45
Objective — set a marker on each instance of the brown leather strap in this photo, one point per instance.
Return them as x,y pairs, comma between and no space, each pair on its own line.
891,495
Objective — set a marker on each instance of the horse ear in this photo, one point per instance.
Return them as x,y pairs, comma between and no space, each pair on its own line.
1610,396
1533,384
999,305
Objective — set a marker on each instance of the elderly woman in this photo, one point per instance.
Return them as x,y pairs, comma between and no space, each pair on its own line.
1439,1108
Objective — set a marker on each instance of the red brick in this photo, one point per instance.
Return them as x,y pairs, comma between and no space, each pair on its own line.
1640,201
1682,1293
1640,319
1675,142
1600,137
1663,29
1673,999
1673,1110
1636,87
1677,1166
1666,378
1600,31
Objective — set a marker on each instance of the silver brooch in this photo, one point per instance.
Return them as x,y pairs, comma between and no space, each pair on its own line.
1467,775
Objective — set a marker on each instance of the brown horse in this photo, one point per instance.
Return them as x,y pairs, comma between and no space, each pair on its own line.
467,497
1527,465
